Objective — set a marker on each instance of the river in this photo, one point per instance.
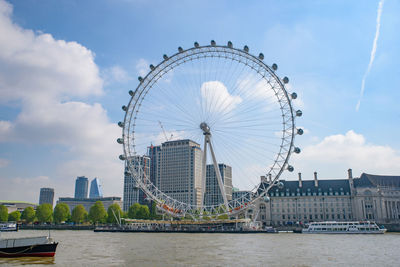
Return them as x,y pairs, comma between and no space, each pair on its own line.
86,248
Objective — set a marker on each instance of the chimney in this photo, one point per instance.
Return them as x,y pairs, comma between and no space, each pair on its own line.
300,182
350,174
270,178
315,179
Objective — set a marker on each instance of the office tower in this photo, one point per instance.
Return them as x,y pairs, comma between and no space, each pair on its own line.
96,189
213,193
46,196
132,192
153,152
81,187
179,171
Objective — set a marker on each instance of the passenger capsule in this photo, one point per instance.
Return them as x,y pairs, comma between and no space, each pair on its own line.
280,185
122,157
120,141
266,198
261,56
293,95
274,67
290,168
300,131
124,108
213,43
299,113
180,49
297,150
152,67
140,79
131,93
230,45
120,124
246,48
196,44
286,80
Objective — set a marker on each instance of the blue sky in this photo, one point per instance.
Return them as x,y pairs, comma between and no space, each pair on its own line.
67,67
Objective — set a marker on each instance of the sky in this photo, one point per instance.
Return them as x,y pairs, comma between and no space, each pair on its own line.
66,68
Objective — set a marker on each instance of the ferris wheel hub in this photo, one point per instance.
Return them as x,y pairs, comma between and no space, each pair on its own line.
205,128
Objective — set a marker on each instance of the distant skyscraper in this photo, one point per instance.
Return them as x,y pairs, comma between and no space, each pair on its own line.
132,193
96,189
179,171
213,193
81,187
153,152
46,196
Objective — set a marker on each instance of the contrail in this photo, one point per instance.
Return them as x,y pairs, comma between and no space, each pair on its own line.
373,51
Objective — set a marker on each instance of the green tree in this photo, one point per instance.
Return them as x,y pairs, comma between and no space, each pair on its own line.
28,214
133,211
79,214
144,212
97,212
153,211
117,211
3,213
61,213
14,216
44,213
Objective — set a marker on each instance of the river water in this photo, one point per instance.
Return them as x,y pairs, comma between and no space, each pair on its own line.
86,248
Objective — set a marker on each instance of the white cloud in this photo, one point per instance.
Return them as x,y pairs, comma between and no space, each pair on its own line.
43,75
4,162
217,98
116,74
142,67
336,153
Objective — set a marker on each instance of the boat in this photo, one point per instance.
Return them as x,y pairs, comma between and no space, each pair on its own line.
8,226
333,227
41,246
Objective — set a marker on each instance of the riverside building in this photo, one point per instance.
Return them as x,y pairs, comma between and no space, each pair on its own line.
213,194
179,171
369,197
132,192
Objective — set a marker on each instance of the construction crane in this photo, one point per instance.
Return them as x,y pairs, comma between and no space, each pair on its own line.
165,134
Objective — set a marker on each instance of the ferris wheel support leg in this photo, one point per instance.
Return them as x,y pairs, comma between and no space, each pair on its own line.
204,170
218,173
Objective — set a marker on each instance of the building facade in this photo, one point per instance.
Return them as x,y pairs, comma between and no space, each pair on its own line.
179,171
369,197
17,205
89,202
81,187
213,194
46,196
96,189
132,192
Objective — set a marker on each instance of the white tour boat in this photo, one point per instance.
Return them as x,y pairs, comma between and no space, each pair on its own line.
362,227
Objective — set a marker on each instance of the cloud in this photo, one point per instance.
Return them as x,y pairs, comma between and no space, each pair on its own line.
47,78
4,163
336,153
142,67
116,74
217,98
373,52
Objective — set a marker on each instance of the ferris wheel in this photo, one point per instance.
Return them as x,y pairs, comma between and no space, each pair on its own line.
209,130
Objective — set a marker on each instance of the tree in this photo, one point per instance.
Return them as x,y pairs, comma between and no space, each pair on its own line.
44,213
61,213
97,212
28,214
3,213
117,211
79,214
144,212
14,216
133,211
153,211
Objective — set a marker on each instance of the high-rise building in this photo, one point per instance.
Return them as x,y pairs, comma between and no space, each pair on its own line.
153,152
213,194
81,187
46,196
132,192
179,171
96,189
